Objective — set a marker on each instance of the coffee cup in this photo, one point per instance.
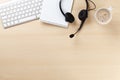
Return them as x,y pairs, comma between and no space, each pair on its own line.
103,15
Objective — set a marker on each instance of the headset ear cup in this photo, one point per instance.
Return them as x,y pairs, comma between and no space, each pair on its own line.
83,15
69,17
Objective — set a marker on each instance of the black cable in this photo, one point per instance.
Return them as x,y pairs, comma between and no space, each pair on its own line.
87,5
93,4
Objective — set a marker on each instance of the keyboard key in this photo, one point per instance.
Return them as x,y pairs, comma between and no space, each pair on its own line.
5,25
27,19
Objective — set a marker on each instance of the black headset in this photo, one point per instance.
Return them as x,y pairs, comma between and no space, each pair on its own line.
83,15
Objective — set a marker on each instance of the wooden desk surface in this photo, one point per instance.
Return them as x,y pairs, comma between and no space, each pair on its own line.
37,51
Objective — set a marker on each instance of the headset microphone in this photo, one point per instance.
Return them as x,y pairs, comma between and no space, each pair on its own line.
72,35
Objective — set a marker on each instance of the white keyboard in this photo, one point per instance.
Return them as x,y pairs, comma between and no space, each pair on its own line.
19,11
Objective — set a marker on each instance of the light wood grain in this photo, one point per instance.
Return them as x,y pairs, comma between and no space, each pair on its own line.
37,51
